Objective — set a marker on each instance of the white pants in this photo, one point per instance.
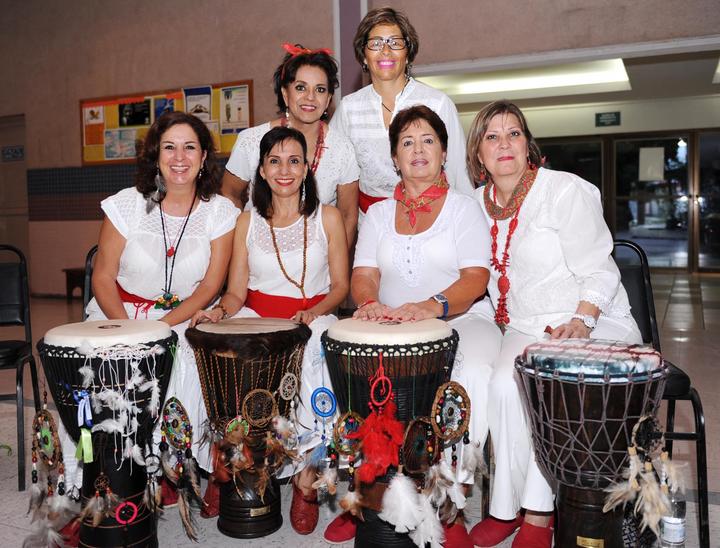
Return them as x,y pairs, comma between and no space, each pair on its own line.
518,481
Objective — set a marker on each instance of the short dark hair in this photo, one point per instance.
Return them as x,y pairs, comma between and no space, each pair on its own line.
412,114
208,181
385,16
287,70
261,193
479,128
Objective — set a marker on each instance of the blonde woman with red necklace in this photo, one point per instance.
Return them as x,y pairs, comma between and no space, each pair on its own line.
304,84
425,254
289,260
551,266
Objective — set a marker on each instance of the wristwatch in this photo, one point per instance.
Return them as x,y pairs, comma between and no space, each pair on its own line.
587,319
442,299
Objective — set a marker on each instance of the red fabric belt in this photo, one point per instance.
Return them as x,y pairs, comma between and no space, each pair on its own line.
365,201
140,303
274,306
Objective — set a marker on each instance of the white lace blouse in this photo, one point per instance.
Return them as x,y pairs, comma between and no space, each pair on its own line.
265,274
337,164
142,263
559,254
415,267
360,117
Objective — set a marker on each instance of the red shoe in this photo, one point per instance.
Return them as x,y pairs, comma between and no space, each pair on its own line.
534,536
456,536
304,511
169,494
491,531
71,533
211,508
341,529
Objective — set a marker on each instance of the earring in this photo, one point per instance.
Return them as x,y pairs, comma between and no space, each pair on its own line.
397,169
531,164
408,68
200,173
287,116
482,176
160,182
364,67
302,194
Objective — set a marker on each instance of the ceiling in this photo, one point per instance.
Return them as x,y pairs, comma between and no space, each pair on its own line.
655,77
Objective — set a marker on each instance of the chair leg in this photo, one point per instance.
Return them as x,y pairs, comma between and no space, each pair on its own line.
35,385
701,456
670,425
20,426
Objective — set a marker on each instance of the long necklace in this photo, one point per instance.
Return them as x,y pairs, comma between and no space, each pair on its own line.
497,212
301,285
319,144
168,300
407,79
422,203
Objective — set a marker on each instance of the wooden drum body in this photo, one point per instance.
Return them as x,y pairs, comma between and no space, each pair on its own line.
418,358
111,368
237,360
583,399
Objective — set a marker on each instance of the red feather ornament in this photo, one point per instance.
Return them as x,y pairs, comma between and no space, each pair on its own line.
381,436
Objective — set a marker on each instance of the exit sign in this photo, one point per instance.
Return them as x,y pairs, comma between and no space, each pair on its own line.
605,119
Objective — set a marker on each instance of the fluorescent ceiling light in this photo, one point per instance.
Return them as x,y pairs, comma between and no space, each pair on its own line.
716,78
569,79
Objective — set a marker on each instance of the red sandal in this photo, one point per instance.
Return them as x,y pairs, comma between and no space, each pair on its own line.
304,511
491,531
456,536
341,529
534,536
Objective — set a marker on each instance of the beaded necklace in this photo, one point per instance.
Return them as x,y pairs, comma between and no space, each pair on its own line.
497,213
168,300
301,285
319,144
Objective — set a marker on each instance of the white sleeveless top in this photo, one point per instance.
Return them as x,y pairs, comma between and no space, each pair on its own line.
265,273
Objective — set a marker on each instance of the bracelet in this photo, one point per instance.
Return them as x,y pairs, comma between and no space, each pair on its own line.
221,306
369,301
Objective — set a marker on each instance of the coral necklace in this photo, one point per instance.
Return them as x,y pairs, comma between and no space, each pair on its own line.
422,203
319,144
501,213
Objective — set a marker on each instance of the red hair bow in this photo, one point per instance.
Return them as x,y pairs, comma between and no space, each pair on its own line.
297,50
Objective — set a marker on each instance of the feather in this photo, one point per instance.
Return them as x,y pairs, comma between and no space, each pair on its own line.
111,426
94,506
61,508
187,518
473,459
152,496
381,436
327,481
153,405
136,379
282,427
37,496
625,491
167,467
85,348
444,491
88,375
651,503
114,400
137,455
317,456
241,459
400,505
263,478
42,536
219,463
96,403
429,530
192,476
676,474
352,502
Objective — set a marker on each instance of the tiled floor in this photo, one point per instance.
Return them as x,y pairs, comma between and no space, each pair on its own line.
688,311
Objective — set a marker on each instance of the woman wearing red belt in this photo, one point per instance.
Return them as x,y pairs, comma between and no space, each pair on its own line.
289,260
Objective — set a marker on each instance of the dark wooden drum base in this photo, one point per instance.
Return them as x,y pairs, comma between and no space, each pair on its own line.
129,484
376,533
581,521
243,514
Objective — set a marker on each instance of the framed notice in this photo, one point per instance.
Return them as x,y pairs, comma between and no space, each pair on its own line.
114,127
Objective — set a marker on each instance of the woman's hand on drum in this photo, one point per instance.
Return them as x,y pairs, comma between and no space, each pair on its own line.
574,329
373,311
410,312
305,316
202,316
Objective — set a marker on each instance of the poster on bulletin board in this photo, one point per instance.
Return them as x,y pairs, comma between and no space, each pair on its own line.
114,127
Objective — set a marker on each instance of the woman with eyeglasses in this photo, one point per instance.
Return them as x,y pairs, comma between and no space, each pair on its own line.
304,85
386,45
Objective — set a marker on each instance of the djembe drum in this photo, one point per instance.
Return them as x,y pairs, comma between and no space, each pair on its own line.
242,364
583,399
417,358
108,379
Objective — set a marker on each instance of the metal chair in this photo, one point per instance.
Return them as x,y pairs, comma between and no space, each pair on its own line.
87,286
14,354
636,280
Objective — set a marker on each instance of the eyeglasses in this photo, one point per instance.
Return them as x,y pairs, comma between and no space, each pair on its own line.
377,44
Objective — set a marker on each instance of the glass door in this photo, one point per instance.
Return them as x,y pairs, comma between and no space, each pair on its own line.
652,199
708,201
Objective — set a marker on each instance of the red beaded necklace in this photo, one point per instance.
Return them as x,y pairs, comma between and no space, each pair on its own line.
501,213
319,144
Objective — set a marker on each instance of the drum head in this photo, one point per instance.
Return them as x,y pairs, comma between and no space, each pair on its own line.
103,333
247,326
389,332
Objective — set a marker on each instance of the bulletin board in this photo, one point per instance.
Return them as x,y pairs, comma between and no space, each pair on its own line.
113,127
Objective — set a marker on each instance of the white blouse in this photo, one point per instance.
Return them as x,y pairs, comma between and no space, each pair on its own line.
360,117
265,274
415,267
142,263
559,254
337,164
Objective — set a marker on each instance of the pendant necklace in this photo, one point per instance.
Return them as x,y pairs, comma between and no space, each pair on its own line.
168,300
